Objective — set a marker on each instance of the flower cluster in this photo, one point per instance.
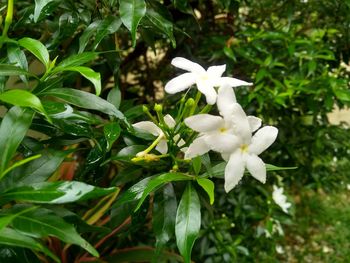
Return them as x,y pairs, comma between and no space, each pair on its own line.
236,136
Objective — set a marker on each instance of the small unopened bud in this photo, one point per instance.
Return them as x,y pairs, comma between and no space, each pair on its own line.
145,109
158,107
190,102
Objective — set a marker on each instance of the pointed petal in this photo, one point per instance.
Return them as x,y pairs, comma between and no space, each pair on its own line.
226,98
254,123
216,71
204,122
232,82
196,148
234,171
148,127
162,146
222,142
256,167
240,124
188,65
262,139
169,121
208,90
180,83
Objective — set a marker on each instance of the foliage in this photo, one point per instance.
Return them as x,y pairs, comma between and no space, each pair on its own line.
74,76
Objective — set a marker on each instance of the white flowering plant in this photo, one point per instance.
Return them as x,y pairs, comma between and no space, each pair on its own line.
182,150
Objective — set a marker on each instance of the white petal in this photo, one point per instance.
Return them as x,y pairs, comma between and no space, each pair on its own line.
254,123
181,143
196,148
208,90
226,98
240,123
148,127
180,83
262,139
256,167
169,121
216,71
234,171
188,65
162,146
222,142
204,122
232,82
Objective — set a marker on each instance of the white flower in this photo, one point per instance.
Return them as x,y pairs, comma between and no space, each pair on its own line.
150,127
206,80
280,199
215,132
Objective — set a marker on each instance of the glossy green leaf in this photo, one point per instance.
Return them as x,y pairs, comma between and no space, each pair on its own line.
13,128
36,171
164,214
131,13
39,6
112,131
42,222
76,60
19,163
17,57
197,164
87,34
88,73
55,192
114,97
10,70
208,186
37,49
188,222
85,100
12,254
108,25
343,95
160,180
11,237
162,24
23,98
6,219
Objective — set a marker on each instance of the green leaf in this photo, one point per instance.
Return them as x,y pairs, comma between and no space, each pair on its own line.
14,127
17,57
85,100
39,6
17,254
88,33
36,171
164,214
188,222
162,24
55,192
19,163
42,222
112,131
76,60
88,73
131,13
114,97
10,70
109,25
23,98
10,237
197,164
159,181
37,49
208,186
6,219
343,95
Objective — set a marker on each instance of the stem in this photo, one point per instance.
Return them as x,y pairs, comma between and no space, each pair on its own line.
198,96
154,144
9,16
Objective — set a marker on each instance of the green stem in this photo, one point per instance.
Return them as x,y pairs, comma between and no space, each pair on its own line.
154,144
196,100
8,19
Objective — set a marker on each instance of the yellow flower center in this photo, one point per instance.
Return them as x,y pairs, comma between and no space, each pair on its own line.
244,148
223,130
